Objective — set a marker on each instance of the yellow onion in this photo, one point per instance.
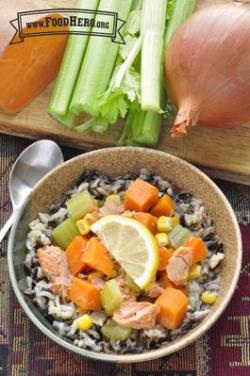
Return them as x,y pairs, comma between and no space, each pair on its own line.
207,68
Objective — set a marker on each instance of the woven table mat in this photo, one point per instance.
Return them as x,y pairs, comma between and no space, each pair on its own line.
25,351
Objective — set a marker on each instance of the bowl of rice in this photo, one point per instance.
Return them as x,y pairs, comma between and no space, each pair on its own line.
125,254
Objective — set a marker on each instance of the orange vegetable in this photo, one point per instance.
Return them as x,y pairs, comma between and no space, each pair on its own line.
146,219
140,196
198,247
165,255
165,281
173,308
164,207
84,294
74,254
97,257
27,68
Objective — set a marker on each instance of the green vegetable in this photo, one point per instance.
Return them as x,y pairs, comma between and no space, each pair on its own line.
147,132
65,233
79,205
111,297
127,129
154,15
70,67
181,11
98,63
130,283
113,331
178,236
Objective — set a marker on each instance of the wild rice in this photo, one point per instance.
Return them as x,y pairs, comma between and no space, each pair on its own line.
63,317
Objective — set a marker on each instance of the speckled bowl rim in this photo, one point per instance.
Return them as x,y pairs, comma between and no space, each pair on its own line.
152,354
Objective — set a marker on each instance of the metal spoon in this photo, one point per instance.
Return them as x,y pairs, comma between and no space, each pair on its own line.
32,164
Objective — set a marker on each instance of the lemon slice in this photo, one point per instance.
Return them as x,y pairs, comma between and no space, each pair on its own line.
131,244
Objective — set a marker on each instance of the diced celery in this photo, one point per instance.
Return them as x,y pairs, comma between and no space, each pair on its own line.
98,63
115,332
130,283
111,297
65,233
80,204
178,236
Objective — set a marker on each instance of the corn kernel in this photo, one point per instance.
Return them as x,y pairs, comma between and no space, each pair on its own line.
162,239
175,221
164,224
194,272
208,297
83,226
85,322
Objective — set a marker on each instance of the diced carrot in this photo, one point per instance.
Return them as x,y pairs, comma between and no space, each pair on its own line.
27,68
140,196
173,308
97,257
84,294
198,247
74,253
165,255
164,207
146,219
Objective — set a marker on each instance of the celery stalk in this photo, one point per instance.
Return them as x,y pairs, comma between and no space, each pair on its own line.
182,10
69,70
98,64
126,65
154,14
149,132
126,129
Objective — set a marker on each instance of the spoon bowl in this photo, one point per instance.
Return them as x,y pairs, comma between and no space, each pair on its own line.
32,164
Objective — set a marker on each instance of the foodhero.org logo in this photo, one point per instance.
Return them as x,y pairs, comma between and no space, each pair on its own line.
67,21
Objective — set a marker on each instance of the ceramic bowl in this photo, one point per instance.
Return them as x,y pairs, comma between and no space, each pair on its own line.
115,161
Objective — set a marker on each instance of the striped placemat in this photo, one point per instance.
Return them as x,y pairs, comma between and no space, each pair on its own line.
25,351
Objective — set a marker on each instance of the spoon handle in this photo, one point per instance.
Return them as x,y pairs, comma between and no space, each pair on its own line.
7,226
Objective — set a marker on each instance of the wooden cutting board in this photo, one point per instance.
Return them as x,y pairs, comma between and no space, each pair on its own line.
222,153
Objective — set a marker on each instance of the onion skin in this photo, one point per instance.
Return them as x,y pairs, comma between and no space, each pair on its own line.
207,69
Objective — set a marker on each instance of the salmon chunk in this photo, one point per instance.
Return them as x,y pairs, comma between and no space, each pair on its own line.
178,266
54,265
154,290
137,315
